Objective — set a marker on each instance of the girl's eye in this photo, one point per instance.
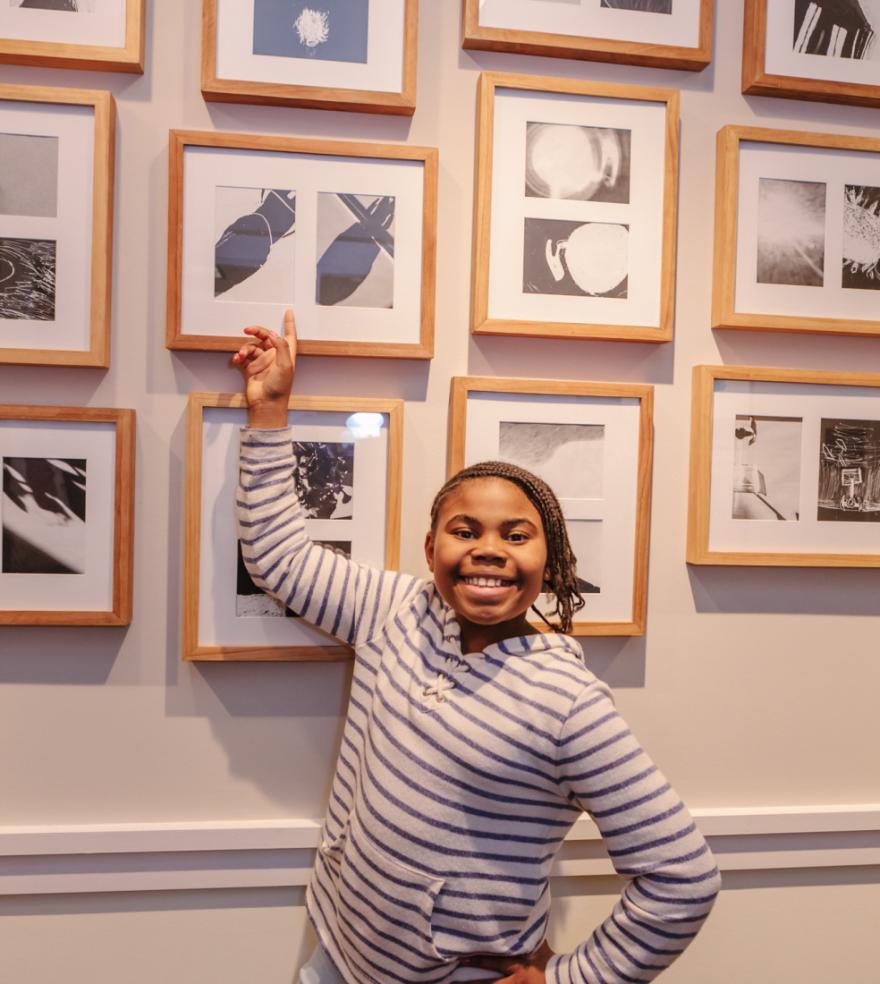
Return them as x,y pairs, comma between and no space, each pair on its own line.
517,537
464,534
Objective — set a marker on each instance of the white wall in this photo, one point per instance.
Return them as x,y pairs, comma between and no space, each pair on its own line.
753,688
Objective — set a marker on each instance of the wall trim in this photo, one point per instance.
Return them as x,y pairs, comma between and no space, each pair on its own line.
127,857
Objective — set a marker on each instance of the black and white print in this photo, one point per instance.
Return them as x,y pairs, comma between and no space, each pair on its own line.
645,6
27,279
849,471
254,248
581,259
586,163
324,478
766,467
322,30
837,28
861,237
69,6
791,232
569,457
355,250
28,175
43,512
253,602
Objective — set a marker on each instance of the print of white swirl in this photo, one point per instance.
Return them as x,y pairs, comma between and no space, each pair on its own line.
312,27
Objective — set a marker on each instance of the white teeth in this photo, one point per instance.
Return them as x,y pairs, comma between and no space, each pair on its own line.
485,582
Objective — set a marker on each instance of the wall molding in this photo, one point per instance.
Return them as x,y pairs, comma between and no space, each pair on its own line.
138,857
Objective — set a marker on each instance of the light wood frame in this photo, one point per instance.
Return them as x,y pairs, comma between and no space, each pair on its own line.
481,323
724,314
593,49
463,386
104,157
402,103
702,425
179,140
757,81
97,58
123,517
334,650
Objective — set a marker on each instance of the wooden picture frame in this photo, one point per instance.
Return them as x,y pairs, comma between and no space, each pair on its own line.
792,65
51,545
273,82
525,249
789,206
44,38
209,174
63,206
784,469
538,33
604,428
371,430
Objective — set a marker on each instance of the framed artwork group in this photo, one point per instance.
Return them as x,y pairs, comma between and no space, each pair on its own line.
575,206
592,443
66,515
785,468
56,225
100,35
355,55
345,232
348,477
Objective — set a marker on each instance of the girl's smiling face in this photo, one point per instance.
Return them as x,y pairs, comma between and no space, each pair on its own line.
488,555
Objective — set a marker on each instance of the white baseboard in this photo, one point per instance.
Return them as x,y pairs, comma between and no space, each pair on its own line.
128,857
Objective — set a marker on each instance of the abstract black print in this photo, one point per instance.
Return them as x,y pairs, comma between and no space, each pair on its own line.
837,28
355,250
569,457
861,237
646,6
582,259
849,471
791,232
587,163
43,516
766,467
27,279
71,6
252,602
28,175
256,228
324,30
324,478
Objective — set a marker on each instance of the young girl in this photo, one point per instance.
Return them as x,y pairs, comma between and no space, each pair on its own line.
472,742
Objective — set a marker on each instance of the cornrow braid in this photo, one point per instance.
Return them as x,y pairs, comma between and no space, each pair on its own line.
561,561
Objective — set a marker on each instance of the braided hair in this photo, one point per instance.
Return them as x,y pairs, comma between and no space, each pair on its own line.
561,561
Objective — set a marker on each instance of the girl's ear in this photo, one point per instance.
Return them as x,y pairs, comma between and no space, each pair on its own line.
429,550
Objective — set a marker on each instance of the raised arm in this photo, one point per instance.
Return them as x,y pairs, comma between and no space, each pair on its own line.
344,598
651,839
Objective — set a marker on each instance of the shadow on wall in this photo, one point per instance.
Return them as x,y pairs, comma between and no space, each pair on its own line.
785,590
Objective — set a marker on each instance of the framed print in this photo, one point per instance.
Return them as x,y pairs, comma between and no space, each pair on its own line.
592,443
343,232
575,206
821,50
348,477
785,468
656,33
56,225
100,35
66,515
355,55
797,234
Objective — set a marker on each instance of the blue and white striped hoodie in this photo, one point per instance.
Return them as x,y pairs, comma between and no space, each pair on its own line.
460,774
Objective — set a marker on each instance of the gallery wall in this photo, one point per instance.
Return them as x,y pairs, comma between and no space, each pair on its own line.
158,817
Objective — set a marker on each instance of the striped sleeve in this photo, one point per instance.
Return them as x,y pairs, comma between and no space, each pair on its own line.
651,840
348,600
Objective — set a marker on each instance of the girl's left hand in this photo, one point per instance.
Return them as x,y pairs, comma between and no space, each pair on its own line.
528,969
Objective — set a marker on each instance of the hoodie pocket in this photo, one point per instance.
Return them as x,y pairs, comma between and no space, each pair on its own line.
384,910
